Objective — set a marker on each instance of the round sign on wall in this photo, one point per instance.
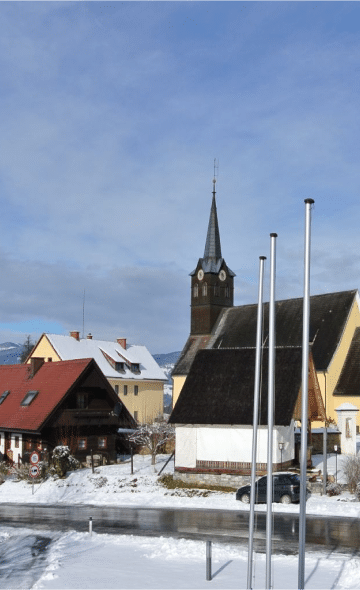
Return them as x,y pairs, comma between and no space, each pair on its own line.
34,458
34,471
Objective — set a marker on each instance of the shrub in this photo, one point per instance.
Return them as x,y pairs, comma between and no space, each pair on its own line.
63,461
351,469
333,489
357,491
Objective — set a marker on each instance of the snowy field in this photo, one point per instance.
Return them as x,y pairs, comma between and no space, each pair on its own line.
39,559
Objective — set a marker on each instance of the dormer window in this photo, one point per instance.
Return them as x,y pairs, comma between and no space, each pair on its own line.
119,366
135,367
29,397
4,396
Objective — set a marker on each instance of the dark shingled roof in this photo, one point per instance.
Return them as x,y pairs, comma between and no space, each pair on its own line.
349,380
236,327
185,360
220,387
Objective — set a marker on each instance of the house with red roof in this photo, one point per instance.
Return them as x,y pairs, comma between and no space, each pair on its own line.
71,403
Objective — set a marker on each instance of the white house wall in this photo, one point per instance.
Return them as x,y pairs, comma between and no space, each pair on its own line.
2,442
185,446
229,444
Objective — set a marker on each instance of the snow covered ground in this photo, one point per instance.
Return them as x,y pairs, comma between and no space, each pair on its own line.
78,560
114,485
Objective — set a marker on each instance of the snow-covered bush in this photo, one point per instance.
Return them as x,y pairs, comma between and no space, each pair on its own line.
153,437
63,461
333,489
351,469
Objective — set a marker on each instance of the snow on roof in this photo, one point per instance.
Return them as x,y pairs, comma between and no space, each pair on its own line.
69,348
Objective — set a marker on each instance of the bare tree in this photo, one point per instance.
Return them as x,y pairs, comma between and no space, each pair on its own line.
153,437
27,348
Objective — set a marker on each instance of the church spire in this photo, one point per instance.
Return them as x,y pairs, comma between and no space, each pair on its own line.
213,245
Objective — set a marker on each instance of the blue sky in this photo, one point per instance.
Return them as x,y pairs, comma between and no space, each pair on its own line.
111,115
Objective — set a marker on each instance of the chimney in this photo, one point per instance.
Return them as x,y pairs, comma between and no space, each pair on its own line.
122,342
75,335
35,364
89,336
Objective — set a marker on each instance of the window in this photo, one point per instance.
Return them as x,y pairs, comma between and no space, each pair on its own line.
136,389
81,443
196,290
116,387
125,389
348,428
29,397
28,445
102,442
216,290
136,415
81,401
204,290
135,367
4,396
119,366
17,442
227,291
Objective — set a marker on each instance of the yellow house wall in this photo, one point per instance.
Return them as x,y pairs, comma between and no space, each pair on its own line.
45,350
148,403
333,373
178,383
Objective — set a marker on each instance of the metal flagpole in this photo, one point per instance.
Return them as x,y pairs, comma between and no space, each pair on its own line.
255,419
271,397
304,396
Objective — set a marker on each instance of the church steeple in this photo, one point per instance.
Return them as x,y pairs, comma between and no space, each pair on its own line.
213,245
212,282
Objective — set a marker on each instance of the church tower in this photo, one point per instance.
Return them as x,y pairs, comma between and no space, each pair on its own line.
212,281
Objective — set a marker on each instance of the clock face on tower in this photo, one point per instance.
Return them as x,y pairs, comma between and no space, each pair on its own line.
200,274
222,275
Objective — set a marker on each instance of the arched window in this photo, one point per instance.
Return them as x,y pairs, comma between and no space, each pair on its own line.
196,290
204,289
216,290
227,291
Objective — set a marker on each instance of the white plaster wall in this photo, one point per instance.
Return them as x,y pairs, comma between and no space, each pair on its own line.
230,443
348,444
16,452
286,435
185,446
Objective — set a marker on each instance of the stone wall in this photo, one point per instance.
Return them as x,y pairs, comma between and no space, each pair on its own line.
213,479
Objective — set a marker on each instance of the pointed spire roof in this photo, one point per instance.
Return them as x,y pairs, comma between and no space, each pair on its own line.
213,245
212,260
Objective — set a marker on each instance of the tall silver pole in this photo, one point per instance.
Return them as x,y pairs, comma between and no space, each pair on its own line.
271,398
255,418
304,397
325,443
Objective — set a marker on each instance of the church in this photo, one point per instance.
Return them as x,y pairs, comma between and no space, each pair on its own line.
214,376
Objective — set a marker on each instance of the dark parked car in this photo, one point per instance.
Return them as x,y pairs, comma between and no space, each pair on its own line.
286,489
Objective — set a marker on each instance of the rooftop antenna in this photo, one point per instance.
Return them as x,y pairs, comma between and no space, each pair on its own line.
216,168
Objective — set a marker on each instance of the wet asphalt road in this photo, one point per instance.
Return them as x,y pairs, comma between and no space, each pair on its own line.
228,526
